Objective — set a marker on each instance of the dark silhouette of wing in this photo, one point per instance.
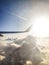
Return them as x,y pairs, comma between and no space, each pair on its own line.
7,32
1,35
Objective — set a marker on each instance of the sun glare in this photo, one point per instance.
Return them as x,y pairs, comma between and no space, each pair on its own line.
40,27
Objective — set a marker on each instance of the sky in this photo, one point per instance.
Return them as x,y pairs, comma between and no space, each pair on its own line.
15,15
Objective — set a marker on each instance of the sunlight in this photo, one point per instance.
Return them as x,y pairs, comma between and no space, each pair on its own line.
40,26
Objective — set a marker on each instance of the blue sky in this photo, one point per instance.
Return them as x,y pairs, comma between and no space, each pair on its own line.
12,14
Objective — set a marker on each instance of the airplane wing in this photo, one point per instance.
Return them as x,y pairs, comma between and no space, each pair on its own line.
1,35
7,32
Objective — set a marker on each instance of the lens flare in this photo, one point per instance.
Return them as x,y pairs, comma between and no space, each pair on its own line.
40,27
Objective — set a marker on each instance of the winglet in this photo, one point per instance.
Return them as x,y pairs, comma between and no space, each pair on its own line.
28,29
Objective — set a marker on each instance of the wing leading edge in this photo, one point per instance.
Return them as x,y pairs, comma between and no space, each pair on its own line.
7,32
